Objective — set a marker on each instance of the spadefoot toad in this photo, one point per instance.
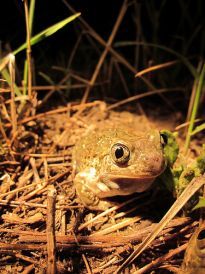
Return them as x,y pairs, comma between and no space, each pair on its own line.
117,161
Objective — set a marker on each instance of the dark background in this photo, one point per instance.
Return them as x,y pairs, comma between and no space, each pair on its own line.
176,21
178,25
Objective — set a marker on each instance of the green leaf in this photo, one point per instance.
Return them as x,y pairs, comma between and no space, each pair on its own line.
201,203
7,77
47,32
171,148
199,88
31,14
196,169
198,129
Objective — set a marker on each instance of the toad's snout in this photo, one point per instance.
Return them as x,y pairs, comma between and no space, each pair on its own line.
153,163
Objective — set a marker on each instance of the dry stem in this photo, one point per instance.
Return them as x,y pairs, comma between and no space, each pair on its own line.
104,54
51,241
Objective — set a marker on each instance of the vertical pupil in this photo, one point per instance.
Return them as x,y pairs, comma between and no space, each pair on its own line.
119,152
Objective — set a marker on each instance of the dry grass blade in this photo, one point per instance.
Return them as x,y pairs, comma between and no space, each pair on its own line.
5,61
142,95
35,205
89,271
4,134
51,241
12,104
28,269
28,49
118,226
98,38
183,125
55,111
106,50
157,67
17,190
106,212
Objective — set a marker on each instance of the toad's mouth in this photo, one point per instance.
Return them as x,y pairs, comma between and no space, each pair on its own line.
117,177
118,184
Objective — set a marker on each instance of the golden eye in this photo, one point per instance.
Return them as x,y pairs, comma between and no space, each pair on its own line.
120,153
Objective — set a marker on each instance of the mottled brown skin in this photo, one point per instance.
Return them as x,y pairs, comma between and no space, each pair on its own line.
100,175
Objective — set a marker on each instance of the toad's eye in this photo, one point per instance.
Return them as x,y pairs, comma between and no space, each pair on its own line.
120,153
163,139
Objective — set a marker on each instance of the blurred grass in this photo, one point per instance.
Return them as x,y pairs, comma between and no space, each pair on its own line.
34,40
47,32
199,82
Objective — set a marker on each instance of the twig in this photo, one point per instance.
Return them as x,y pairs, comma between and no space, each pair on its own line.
14,163
10,247
50,180
86,264
17,190
50,230
35,171
7,248
35,205
13,218
111,240
45,164
61,214
54,157
28,269
42,186
117,226
24,179
26,259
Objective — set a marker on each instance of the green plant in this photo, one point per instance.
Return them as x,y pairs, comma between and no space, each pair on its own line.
34,40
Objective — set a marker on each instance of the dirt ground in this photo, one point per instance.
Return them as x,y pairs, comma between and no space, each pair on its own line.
44,225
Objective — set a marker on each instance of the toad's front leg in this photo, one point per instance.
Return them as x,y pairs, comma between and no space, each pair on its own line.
86,185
